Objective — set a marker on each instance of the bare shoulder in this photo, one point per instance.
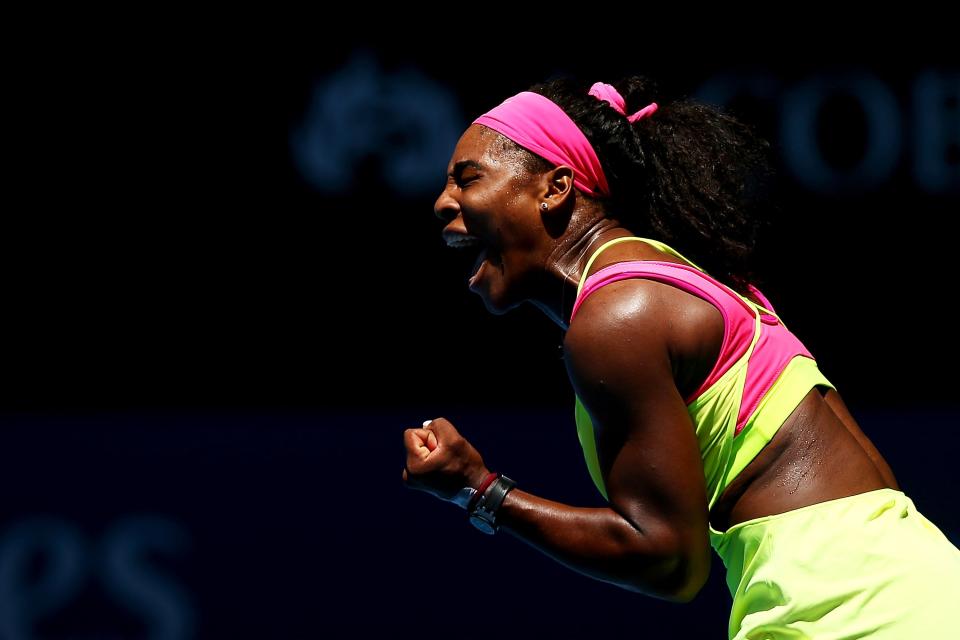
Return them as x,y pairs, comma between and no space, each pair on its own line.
618,353
639,316
618,323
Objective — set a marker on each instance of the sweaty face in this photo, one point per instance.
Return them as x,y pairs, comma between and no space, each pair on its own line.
490,204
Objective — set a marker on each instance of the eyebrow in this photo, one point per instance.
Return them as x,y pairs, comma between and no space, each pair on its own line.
463,164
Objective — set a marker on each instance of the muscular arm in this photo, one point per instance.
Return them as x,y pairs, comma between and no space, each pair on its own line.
652,538
597,542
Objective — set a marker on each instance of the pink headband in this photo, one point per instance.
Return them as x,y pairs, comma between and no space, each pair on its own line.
537,124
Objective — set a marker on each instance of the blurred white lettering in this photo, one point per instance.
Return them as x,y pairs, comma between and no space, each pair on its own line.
933,113
46,562
403,122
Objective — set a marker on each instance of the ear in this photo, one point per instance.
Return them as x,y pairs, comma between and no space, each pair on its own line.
557,188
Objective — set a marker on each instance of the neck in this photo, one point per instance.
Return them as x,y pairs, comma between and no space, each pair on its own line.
565,268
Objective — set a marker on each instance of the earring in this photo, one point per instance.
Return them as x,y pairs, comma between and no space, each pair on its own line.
543,206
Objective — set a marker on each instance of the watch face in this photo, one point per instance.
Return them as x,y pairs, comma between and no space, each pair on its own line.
481,524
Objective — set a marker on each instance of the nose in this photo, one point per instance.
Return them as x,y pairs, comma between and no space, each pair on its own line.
446,207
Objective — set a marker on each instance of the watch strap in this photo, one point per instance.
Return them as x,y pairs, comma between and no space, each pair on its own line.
497,493
490,501
481,490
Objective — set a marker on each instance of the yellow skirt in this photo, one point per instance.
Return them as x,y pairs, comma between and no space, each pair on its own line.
864,566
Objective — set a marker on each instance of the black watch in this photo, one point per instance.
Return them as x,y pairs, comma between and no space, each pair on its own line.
484,514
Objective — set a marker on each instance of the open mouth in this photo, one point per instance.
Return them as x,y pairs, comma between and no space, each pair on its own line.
478,265
468,243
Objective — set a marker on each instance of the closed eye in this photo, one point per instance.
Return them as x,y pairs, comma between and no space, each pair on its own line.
462,167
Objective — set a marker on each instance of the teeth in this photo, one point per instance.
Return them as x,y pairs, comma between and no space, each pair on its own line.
460,242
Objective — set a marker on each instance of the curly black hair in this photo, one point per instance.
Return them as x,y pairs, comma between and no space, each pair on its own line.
690,175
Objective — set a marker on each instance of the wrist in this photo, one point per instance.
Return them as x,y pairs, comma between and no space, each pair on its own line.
485,505
468,496
481,490
476,478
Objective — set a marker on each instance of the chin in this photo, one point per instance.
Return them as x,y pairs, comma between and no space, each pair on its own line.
496,304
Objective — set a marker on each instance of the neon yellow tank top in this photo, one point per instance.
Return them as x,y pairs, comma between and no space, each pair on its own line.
715,411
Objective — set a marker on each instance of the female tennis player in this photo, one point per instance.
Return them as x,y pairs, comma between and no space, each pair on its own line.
703,419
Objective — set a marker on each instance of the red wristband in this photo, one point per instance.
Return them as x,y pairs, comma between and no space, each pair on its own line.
483,487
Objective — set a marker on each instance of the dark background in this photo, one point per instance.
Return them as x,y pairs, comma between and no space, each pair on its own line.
226,297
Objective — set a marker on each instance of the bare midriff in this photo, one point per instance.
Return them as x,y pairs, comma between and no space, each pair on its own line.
818,454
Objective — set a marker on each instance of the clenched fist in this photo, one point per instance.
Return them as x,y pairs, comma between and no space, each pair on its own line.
440,461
